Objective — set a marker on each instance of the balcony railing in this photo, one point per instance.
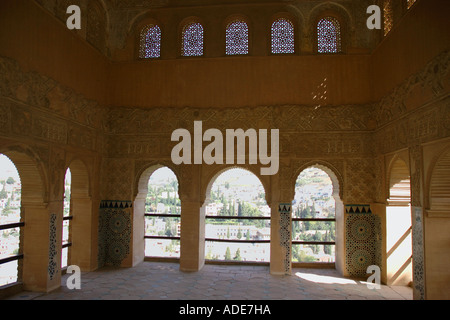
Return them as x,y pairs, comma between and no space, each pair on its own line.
162,215
8,227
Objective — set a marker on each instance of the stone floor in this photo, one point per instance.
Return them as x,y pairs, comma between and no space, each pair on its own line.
164,281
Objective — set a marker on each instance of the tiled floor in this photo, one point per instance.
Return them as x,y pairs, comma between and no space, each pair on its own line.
155,281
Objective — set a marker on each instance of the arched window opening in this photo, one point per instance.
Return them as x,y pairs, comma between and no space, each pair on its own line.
237,219
399,226
67,216
313,218
192,40
237,38
150,42
328,35
162,215
10,222
283,36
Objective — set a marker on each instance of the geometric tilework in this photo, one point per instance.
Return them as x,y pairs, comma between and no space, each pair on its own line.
418,255
114,232
52,252
284,209
115,204
357,208
363,241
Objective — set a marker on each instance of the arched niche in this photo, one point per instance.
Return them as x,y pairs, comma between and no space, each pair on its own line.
440,183
399,183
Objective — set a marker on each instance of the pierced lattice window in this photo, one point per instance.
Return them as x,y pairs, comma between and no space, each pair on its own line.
237,38
283,36
150,42
328,35
388,15
192,45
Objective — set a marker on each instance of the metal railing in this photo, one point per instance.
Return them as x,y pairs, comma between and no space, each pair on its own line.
236,218
297,242
162,215
67,244
8,227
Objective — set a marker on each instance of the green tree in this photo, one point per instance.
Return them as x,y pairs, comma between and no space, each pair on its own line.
313,210
237,256
228,254
10,180
168,232
224,209
294,229
301,256
3,193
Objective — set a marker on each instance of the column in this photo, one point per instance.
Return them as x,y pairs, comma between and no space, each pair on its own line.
82,234
192,256
138,221
417,222
42,247
280,238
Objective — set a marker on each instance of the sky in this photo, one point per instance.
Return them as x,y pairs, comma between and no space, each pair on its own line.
237,176
7,169
162,174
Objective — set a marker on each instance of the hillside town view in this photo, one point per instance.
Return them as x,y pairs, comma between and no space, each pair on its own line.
238,193
235,194
10,197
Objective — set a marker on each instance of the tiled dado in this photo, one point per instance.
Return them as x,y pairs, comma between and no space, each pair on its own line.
363,239
115,230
